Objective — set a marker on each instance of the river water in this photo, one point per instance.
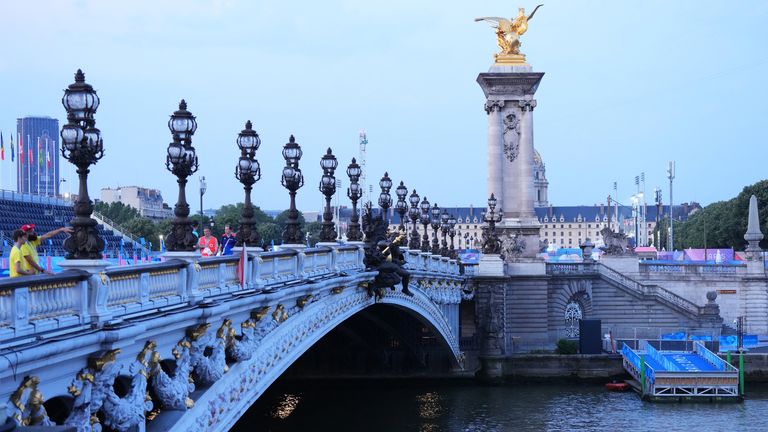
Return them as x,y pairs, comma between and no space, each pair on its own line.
513,407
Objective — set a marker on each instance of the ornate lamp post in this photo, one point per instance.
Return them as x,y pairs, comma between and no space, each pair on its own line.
401,206
292,180
435,221
414,214
182,162
248,172
82,146
452,233
203,188
491,242
385,200
328,187
444,227
425,221
354,192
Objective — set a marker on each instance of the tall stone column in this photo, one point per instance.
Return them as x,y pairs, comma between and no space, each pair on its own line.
495,151
510,144
527,198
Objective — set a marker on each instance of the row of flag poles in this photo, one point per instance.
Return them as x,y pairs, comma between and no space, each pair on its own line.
26,158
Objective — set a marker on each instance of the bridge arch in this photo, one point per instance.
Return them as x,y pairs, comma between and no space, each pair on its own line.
225,401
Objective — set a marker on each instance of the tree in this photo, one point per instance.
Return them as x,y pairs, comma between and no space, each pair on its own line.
144,227
313,229
117,211
723,223
270,233
230,215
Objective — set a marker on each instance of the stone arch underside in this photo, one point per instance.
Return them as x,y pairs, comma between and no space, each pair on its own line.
224,402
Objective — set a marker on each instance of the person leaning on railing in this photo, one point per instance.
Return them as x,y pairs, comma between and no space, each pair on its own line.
29,249
16,267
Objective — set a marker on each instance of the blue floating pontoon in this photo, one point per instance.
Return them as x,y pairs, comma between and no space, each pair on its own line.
681,375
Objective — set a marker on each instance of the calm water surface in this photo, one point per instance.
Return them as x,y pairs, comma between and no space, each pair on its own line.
515,407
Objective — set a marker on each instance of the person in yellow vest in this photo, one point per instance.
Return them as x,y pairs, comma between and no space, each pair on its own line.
16,267
29,249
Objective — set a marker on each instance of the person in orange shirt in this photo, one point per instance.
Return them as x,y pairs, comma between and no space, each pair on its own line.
208,244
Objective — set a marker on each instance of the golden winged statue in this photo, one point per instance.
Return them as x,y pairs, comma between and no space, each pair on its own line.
508,32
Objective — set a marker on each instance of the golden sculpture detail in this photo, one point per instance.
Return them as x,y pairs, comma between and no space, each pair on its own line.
508,32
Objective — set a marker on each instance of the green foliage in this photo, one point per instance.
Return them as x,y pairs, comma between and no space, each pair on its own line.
723,224
270,232
230,215
282,217
313,228
566,346
144,227
117,211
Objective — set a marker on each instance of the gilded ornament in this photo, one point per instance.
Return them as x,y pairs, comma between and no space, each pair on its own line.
508,32
302,301
261,313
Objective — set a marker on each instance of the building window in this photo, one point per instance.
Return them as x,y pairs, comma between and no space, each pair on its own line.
589,225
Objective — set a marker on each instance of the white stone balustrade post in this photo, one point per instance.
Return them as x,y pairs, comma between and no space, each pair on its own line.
144,288
20,310
98,294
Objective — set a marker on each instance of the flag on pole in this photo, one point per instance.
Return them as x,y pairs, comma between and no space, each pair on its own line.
2,147
39,151
13,156
48,158
241,267
21,149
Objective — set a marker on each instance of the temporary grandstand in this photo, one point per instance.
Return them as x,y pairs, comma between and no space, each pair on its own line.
47,213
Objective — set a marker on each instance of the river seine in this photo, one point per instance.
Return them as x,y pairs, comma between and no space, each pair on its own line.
513,407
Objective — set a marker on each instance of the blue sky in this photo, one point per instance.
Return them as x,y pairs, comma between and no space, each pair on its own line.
628,87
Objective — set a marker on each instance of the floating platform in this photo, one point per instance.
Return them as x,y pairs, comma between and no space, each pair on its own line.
697,375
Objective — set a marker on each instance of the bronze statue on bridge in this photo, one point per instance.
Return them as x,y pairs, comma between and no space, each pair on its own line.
383,254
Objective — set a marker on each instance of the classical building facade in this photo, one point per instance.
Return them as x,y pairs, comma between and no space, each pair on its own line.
149,202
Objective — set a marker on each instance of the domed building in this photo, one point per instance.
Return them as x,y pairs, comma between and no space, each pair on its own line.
540,183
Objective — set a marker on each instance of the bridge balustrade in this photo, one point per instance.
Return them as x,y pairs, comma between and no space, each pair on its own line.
72,298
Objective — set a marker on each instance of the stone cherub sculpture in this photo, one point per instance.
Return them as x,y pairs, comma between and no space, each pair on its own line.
508,32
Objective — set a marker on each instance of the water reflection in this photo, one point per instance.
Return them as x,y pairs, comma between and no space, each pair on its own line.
429,405
515,407
286,406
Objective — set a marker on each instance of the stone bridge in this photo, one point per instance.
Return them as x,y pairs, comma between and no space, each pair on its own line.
119,350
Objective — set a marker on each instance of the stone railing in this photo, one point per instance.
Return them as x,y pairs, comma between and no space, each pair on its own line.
571,268
652,290
574,269
73,298
691,268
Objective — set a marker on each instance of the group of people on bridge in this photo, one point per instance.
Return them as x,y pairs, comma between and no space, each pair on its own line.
24,260
210,246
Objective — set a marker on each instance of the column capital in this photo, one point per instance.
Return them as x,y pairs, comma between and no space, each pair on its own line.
493,106
527,105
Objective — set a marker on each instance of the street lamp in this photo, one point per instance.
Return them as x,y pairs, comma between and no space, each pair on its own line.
401,206
292,180
203,188
444,231
414,214
354,192
82,146
182,162
248,172
328,187
491,242
385,200
452,233
435,221
425,221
